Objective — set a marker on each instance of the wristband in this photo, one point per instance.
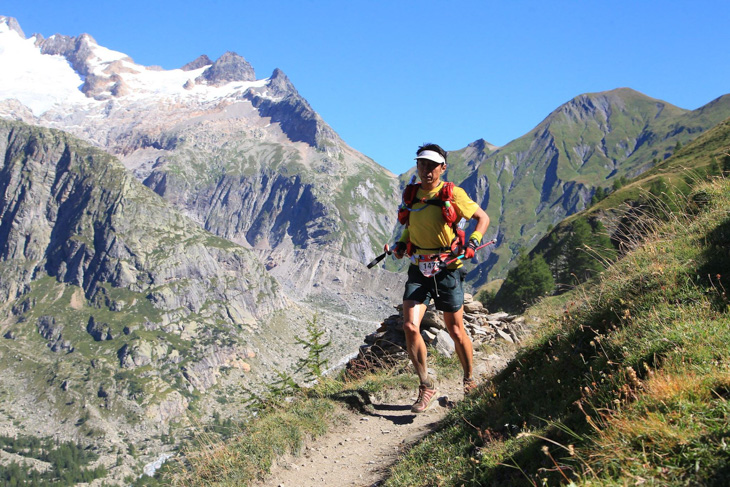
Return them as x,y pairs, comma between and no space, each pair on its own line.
476,236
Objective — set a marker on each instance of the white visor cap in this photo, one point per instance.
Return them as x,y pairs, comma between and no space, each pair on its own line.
431,156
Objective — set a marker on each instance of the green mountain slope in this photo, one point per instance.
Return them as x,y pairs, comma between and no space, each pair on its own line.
552,172
656,192
626,382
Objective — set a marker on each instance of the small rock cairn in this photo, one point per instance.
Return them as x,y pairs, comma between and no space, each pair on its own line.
387,345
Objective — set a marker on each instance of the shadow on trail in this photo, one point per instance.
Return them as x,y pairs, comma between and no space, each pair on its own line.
394,418
356,399
391,407
359,400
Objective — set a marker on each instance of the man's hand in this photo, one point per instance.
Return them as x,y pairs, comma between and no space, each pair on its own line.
399,250
471,249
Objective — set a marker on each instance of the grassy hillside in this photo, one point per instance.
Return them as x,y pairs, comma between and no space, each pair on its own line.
627,381
703,157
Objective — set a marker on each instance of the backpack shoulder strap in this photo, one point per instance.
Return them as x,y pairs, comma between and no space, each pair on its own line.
447,192
409,197
448,210
409,193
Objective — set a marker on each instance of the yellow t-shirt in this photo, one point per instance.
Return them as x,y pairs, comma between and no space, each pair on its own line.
427,228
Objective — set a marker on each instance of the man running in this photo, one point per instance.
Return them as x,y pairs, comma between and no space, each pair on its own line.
431,237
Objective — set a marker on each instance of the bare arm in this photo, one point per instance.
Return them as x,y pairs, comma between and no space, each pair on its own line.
482,221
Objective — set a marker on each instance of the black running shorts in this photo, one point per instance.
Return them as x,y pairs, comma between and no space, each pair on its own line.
445,288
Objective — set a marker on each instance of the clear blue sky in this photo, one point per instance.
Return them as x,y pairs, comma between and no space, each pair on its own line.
390,75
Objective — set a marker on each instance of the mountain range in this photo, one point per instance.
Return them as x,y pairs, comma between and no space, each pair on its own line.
166,234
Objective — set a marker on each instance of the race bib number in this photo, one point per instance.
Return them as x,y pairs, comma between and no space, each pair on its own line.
429,268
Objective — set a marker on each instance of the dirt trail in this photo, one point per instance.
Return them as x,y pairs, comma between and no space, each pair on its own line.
360,451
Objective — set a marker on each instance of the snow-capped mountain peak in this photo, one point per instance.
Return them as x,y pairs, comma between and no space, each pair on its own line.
104,97
36,80
78,73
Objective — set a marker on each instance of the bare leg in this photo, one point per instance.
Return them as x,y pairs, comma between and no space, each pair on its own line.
412,315
455,326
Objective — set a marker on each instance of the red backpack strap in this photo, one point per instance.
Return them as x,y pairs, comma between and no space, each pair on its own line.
447,191
459,241
448,210
409,197
409,194
451,216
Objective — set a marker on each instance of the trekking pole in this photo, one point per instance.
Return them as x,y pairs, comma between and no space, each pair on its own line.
491,242
377,259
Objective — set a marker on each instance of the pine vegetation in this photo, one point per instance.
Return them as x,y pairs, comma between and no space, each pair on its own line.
529,280
314,365
68,463
576,256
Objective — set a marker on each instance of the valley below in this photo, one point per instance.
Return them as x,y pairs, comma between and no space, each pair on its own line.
167,236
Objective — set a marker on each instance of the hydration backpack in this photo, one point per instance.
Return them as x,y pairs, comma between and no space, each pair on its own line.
444,199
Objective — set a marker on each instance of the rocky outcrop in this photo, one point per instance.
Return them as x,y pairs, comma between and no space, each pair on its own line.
99,331
78,51
15,110
387,344
100,87
52,332
48,328
279,84
199,62
229,67
172,408
203,374
281,102
12,24
135,355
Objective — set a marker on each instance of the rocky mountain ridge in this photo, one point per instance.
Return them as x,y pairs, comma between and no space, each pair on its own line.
122,308
195,132
117,309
